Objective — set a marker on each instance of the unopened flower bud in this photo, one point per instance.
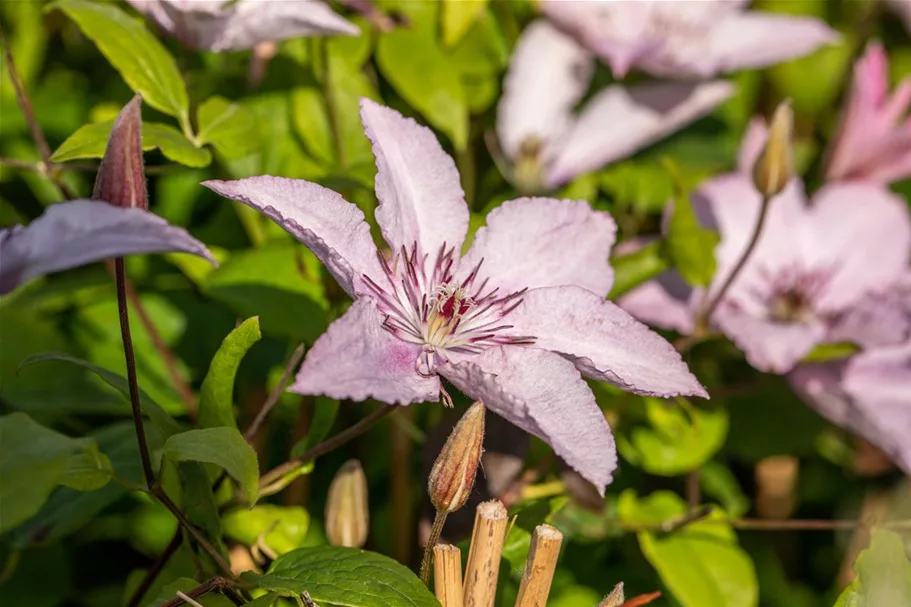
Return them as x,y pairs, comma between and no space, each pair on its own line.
775,166
347,515
455,469
121,176
616,597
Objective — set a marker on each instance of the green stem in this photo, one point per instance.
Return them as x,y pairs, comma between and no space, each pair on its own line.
710,308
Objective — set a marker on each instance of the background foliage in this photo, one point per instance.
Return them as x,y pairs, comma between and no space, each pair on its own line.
75,529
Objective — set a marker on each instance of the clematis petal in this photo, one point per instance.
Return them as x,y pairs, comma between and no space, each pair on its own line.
543,242
417,184
603,341
548,75
78,232
755,39
356,358
862,232
867,395
544,395
667,302
731,205
770,346
332,228
880,318
242,25
620,121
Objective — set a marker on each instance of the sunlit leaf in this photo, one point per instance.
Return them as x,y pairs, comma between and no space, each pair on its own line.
635,268
216,399
224,447
226,126
347,577
701,564
883,574
282,528
90,140
140,58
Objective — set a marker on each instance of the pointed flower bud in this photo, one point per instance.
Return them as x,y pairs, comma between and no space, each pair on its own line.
775,166
454,471
347,514
121,177
616,597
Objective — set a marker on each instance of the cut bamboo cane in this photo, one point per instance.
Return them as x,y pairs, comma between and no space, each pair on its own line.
484,554
539,567
447,575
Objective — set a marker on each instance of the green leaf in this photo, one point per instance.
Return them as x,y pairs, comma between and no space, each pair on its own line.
528,516
198,499
347,577
285,527
217,397
279,282
458,17
159,417
813,82
719,482
831,351
33,461
227,126
637,267
89,470
325,411
419,71
90,140
702,563
143,62
69,510
678,438
883,574
690,247
223,447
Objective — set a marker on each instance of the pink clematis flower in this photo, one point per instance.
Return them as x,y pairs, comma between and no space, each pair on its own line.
514,322
868,393
78,232
814,260
226,25
874,138
686,38
547,144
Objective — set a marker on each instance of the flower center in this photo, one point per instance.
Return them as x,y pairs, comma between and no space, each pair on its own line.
424,304
790,294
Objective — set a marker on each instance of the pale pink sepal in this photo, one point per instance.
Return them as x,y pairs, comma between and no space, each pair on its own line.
356,358
603,341
334,229
78,232
543,394
417,183
543,242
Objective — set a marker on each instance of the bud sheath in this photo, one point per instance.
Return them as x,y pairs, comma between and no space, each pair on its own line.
347,514
121,176
775,166
454,471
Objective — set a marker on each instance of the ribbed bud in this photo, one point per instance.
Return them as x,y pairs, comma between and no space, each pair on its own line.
615,598
775,166
347,513
456,466
121,176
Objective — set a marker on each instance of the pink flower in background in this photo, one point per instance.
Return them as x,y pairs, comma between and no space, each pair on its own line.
223,25
78,232
873,142
548,144
868,393
514,321
686,38
814,260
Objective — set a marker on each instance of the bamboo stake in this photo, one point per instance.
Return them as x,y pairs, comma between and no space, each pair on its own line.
447,575
539,567
484,554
